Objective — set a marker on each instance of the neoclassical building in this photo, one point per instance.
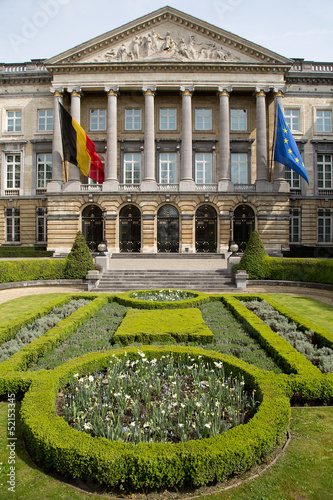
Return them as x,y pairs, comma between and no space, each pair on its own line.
182,115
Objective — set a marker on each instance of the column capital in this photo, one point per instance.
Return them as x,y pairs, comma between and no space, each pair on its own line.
278,92
57,92
112,90
187,89
75,91
261,91
149,89
224,90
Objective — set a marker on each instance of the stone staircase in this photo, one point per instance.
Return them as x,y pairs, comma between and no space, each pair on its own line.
207,280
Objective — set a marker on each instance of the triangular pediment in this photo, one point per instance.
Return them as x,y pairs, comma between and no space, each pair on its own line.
167,35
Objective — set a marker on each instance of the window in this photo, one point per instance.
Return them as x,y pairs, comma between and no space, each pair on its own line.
203,168
324,225
238,119
324,171
97,119
239,168
293,178
44,170
168,119
14,121
45,120
324,121
41,225
132,119
12,216
295,225
132,168
203,119
13,171
292,119
168,168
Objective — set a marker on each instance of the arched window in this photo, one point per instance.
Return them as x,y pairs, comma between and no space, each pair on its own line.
206,229
244,224
168,229
130,229
92,226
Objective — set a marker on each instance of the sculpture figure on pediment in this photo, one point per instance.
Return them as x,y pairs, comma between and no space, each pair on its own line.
182,49
122,52
135,47
168,43
192,51
155,43
110,55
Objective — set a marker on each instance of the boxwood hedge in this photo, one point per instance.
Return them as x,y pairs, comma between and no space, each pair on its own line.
32,269
53,443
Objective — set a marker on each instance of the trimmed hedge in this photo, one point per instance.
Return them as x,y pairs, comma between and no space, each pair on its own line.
11,380
55,445
125,299
28,270
163,326
18,251
311,270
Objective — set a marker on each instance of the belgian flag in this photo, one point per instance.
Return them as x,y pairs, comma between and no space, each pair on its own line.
78,148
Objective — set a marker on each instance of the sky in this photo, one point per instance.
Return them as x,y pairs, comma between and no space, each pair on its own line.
41,29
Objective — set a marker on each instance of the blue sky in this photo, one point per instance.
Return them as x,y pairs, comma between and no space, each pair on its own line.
38,29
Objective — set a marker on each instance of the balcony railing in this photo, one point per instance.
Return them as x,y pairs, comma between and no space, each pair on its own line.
12,192
245,187
91,187
129,187
206,187
168,187
325,192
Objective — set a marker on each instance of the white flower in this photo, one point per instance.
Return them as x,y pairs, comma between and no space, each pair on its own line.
208,426
132,424
76,375
180,425
91,378
218,365
87,426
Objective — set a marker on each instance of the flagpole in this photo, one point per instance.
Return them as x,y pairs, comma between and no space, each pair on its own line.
279,93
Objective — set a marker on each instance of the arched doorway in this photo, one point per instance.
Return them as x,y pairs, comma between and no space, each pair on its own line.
92,226
244,224
206,229
168,229
130,229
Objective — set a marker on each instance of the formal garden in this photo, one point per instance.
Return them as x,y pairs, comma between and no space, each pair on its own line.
166,394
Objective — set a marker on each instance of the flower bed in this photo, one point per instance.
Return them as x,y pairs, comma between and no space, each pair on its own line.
163,295
196,299
52,442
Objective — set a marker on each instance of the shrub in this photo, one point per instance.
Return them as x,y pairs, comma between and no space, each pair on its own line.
18,251
79,261
311,270
252,260
27,270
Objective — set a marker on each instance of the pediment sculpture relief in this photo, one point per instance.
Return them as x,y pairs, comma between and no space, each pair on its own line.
156,47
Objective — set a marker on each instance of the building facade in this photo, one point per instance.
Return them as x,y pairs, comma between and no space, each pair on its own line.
182,114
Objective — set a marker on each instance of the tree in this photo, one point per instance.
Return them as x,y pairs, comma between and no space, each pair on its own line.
252,260
79,261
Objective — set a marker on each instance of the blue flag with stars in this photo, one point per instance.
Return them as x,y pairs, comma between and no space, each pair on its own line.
286,150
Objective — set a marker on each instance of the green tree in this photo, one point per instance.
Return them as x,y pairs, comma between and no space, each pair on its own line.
79,261
252,260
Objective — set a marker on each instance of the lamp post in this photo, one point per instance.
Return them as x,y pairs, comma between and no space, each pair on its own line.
233,247
102,247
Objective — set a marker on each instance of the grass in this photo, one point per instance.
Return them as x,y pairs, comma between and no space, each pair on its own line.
313,310
303,472
24,305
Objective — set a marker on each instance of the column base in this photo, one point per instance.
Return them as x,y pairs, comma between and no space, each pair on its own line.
54,187
110,185
281,186
264,186
149,185
225,185
74,186
187,185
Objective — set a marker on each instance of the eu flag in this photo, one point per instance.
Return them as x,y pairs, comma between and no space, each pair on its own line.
286,150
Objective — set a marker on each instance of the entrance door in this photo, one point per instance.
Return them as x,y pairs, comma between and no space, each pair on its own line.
206,229
167,229
92,226
243,225
130,229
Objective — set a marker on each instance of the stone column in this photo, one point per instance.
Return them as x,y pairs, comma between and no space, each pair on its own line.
56,183
111,180
280,183
186,174
224,177
149,178
74,172
262,183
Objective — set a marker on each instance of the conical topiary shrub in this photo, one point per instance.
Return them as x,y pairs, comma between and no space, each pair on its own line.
252,260
79,261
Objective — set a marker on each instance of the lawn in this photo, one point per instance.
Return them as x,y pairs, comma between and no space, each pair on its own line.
302,472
